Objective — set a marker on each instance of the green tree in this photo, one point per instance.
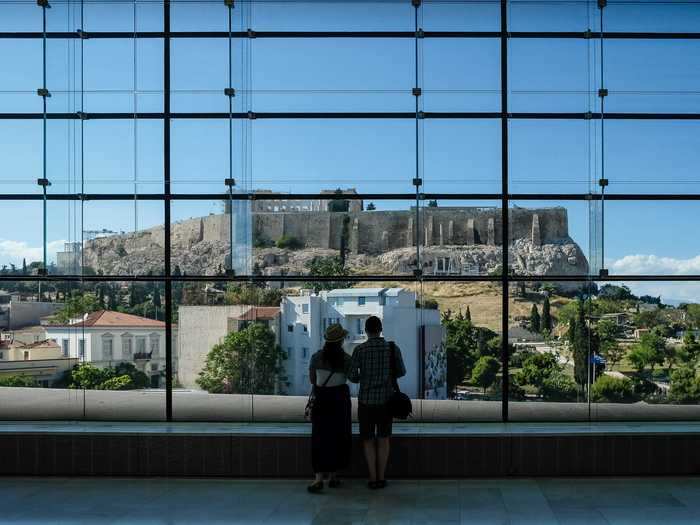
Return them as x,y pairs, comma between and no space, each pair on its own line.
692,312
77,305
246,362
485,372
118,383
326,267
468,314
24,266
612,351
609,389
252,295
685,387
371,207
584,343
546,321
464,345
690,350
432,204
649,352
87,376
536,368
534,319
558,387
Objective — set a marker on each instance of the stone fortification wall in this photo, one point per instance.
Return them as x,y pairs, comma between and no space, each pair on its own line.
379,231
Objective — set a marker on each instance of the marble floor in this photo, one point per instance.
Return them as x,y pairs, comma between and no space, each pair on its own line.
589,501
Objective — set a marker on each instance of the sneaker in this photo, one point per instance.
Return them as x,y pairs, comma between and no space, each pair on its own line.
381,484
372,485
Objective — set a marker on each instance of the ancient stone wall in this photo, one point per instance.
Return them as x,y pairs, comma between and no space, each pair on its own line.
379,231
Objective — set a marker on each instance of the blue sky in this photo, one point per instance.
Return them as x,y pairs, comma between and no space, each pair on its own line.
554,156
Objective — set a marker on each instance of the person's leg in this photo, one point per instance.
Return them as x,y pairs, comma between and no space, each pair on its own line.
383,446
371,457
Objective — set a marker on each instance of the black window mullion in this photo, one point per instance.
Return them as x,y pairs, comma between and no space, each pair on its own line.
504,211
166,223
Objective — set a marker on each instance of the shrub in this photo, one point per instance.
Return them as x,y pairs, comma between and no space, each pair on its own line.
262,241
428,304
18,381
685,386
559,387
118,383
609,389
289,242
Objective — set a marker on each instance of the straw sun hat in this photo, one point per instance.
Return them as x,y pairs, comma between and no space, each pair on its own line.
335,333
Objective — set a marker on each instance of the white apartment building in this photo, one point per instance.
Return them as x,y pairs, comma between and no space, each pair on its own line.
416,331
106,338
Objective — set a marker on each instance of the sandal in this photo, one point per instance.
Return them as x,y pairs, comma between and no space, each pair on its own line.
334,483
315,487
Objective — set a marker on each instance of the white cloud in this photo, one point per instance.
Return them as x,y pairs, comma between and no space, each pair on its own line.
12,252
653,265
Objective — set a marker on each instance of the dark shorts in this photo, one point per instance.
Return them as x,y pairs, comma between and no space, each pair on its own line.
375,421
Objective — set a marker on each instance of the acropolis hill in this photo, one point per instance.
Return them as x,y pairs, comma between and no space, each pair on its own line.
454,240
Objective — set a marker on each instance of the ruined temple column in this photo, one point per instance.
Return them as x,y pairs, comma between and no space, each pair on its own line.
491,233
409,239
536,236
385,241
442,239
429,232
451,232
425,238
355,237
471,236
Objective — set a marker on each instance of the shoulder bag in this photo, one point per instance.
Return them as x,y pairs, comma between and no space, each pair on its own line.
308,411
400,405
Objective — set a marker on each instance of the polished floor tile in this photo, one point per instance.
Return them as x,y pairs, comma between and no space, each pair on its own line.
576,501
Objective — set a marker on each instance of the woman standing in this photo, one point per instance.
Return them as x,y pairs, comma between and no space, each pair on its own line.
331,425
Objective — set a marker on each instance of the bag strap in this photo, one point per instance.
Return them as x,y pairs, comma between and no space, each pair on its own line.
328,378
313,387
394,372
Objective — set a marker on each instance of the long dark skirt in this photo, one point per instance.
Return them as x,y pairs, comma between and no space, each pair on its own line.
331,429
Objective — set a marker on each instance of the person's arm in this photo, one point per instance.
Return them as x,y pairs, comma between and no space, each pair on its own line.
354,371
400,367
312,373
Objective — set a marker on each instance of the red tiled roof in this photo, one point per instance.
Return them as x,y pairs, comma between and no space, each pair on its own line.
259,313
107,318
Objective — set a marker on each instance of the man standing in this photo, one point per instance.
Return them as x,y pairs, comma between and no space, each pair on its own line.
373,368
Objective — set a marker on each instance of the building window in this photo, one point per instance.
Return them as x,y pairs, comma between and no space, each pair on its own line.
140,345
305,353
305,328
289,352
81,348
127,346
305,308
107,348
2,355
154,367
26,355
155,345
361,301
360,326
290,328
65,347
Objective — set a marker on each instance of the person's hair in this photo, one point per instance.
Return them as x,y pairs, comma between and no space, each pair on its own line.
373,325
333,354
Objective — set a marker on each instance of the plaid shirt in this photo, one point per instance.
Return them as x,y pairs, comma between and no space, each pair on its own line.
371,367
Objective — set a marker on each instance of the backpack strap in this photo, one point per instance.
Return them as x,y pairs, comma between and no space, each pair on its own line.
394,371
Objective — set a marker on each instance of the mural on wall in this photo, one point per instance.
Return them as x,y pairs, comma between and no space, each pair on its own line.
435,363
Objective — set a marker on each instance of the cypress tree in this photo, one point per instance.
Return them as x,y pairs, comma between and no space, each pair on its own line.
546,321
534,319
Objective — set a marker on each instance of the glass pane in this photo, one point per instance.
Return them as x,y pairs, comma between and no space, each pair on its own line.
637,239
459,237
123,237
550,343
20,17
550,238
650,16
200,73
548,75
380,15
646,351
34,361
207,15
439,15
359,75
22,66
460,348
21,162
460,74
201,235
123,16
525,15
554,156
461,156
652,156
652,76
369,155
